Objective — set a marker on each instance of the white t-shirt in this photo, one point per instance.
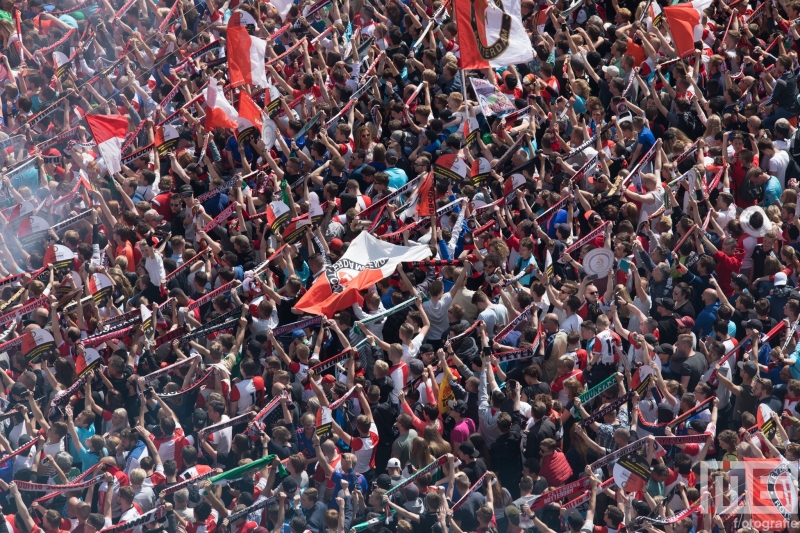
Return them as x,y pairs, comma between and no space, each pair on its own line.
777,166
222,439
411,352
127,516
571,324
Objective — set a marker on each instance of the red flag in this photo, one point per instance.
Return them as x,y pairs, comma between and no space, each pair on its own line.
426,197
685,23
219,112
366,261
249,116
770,489
109,134
245,54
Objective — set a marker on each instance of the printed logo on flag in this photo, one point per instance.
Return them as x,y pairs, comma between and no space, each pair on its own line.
480,17
771,499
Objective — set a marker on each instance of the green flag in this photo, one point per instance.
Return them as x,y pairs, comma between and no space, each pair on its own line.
232,475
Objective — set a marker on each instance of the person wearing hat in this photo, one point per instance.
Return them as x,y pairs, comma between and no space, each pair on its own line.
395,471
464,426
471,464
665,316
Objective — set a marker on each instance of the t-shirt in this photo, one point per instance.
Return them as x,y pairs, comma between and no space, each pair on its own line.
364,449
492,316
437,314
646,139
694,367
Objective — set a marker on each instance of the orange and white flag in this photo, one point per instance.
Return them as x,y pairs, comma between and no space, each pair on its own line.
219,111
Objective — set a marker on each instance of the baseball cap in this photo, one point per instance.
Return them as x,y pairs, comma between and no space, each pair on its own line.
391,154
750,367
666,303
199,416
753,323
641,507
614,71
575,520
411,492
384,481
415,366
394,462
289,485
686,322
298,334
460,406
327,378
19,389
512,513
186,189
467,448
650,339
153,214
397,136
336,244
665,348
780,279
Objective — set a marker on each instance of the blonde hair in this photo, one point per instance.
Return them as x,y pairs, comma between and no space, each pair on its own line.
713,126
381,368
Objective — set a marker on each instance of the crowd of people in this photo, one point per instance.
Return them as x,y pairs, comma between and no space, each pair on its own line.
598,329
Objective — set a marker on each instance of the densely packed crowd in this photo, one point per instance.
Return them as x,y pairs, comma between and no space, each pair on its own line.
336,267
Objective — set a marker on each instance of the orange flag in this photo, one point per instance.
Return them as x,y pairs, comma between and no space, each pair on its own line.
426,197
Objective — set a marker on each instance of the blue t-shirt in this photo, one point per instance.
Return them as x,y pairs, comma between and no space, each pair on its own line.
353,479
646,139
772,192
216,205
397,177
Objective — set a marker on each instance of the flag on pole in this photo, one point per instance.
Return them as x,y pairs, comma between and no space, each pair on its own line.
245,55
219,111
366,261
166,138
109,134
685,23
249,117
499,38
426,197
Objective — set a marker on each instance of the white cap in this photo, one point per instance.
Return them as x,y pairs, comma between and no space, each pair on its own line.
394,462
780,279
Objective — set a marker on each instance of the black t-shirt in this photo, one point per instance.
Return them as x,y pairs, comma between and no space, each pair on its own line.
467,513
668,329
694,367
687,309
474,470
121,384
773,402
285,314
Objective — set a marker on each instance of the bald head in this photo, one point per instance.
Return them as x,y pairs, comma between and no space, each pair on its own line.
550,321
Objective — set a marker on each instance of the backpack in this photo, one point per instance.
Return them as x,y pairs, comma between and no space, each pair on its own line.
750,192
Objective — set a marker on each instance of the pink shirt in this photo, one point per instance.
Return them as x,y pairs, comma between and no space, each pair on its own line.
461,432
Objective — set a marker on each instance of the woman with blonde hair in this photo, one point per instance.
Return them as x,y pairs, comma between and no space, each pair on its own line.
713,127
420,455
437,445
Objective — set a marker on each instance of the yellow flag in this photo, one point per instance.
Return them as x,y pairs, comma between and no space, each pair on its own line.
445,392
